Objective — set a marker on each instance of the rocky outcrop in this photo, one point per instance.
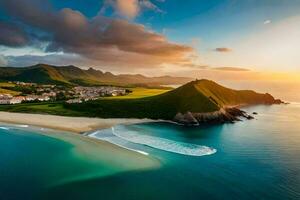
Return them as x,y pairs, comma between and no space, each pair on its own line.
224,115
279,101
187,119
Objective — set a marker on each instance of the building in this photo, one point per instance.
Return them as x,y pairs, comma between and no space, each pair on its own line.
31,97
49,94
70,101
44,98
95,92
5,98
25,84
17,99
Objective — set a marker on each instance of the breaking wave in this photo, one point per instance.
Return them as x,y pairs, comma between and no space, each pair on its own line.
22,126
106,135
163,144
4,128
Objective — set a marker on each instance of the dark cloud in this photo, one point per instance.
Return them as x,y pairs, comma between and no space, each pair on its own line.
12,35
222,49
100,38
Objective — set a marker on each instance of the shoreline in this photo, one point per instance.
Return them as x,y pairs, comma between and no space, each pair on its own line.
67,134
71,124
79,125
83,144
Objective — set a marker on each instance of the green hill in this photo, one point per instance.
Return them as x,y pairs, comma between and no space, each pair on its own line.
202,100
71,75
196,102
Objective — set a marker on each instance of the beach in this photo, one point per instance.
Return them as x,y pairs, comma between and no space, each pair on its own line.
72,124
36,160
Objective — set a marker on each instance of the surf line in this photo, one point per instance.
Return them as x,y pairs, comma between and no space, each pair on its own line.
187,149
94,135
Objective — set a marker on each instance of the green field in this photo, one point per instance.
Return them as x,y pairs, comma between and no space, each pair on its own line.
5,84
7,91
54,108
115,103
196,97
61,108
143,103
140,93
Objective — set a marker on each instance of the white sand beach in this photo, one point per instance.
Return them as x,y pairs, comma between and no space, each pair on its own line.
73,124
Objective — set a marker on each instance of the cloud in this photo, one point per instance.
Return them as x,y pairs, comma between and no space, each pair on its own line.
237,69
150,6
193,66
102,39
222,49
130,8
267,22
3,61
136,64
53,59
12,35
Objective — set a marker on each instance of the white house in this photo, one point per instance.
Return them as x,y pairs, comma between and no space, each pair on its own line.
17,99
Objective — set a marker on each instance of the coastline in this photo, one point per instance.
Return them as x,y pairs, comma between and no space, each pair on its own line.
84,125
94,151
62,123
36,123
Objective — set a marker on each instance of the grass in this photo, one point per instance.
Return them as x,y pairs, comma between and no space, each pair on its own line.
142,103
5,84
104,107
11,92
7,91
197,97
53,108
140,93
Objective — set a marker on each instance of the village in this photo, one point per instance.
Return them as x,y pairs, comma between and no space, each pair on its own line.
32,92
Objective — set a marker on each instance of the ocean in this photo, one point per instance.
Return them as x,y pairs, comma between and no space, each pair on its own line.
252,159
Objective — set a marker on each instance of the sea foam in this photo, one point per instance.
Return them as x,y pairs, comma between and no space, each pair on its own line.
22,126
106,135
164,144
4,128
125,138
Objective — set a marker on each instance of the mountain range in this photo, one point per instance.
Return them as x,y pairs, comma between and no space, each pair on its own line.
71,75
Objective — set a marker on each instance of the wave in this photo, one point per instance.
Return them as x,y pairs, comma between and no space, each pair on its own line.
164,144
114,140
4,128
22,126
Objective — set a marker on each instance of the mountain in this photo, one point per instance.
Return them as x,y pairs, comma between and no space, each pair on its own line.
71,75
207,96
206,101
196,102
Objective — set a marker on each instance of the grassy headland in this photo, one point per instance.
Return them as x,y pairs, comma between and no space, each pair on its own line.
201,96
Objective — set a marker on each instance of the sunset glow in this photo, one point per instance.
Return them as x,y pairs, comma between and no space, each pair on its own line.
235,40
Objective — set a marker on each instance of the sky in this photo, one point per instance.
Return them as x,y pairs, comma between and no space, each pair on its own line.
217,39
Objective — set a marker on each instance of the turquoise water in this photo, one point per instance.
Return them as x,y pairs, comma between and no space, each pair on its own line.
257,159
35,162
